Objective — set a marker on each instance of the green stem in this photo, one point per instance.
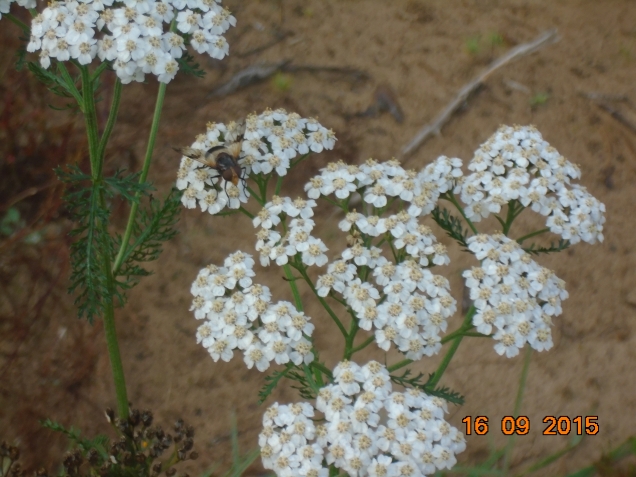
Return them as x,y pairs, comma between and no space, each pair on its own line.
399,364
453,200
348,352
510,217
260,200
322,301
517,409
116,365
110,123
99,70
142,178
364,344
279,185
246,212
522,381
336,203
300,159
452,350
18,22
445,362
90,115
533,234
325,370
292,283
461,331
475,334
262,187
72,89
519,210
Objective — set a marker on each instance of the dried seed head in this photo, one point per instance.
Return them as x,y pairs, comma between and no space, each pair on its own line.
146,418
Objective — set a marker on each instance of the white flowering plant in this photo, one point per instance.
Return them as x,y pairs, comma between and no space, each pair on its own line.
79,43
134,38
380,287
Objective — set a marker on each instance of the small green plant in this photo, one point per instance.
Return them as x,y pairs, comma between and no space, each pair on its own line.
495,39
473,44
282,82
477,43
10,222
539,99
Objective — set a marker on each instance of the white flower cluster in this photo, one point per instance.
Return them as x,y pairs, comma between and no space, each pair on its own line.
410,306
515,297
239,315
204,185
297,240
269,142
5,5
517,164
132,34
410,311
378,183
368,430
414,305
272,139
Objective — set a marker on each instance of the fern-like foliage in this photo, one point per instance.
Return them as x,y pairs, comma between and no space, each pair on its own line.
272,381
305,384
94,248
188,66
451,224
54,80
407,380
100,443
126,186
561,245
21,52
447,394
153,226
92,242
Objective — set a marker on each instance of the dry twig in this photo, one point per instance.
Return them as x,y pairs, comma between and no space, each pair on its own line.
245,77
385,99
616,114
255,73
278,37
356,75
435,127
601,99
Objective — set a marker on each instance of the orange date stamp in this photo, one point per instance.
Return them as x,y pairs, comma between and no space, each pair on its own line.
553,426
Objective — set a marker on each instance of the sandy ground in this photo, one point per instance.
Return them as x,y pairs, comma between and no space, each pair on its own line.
425,51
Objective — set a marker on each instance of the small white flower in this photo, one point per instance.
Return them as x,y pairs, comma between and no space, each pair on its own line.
314,252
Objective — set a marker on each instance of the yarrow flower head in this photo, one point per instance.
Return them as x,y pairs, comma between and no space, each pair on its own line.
368,429
266,143
133,36
515,298
379,182
516,163
238,314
